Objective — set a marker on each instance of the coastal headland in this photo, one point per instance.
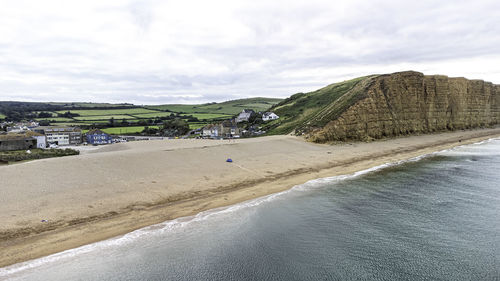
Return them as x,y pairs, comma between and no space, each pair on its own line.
51,205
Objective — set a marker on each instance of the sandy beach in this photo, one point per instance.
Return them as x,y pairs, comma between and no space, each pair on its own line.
50,205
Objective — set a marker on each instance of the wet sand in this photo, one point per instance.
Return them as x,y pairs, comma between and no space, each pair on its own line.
118,188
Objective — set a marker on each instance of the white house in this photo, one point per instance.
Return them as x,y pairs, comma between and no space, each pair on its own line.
210,131
267,116
41,140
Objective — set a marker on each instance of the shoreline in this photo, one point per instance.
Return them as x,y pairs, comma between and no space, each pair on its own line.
68,234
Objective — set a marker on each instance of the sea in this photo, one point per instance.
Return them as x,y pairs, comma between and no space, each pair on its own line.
434,217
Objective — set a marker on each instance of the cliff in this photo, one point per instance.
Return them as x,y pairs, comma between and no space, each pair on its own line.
398,104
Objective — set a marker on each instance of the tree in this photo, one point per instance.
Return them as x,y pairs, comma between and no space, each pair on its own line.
191,118
175,127
44,115
150,131
68,114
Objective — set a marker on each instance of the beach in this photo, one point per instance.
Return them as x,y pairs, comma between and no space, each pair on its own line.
51,205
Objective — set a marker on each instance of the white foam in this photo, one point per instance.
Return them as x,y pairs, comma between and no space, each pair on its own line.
156,229
166,226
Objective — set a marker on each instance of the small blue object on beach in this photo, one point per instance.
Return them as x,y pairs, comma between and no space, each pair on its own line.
229,160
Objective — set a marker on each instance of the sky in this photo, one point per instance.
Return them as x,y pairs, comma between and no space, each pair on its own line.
157,52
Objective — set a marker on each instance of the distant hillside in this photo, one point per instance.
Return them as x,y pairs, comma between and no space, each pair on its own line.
389,105
229,107
127,118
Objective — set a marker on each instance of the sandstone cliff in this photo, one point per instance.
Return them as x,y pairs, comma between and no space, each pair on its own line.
403,103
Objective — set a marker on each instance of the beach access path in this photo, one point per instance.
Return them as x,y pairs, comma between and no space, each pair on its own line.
51,205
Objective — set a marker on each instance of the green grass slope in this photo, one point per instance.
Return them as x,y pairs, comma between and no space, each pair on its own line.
224,108
305,111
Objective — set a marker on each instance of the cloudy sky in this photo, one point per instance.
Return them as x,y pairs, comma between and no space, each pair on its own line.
151,52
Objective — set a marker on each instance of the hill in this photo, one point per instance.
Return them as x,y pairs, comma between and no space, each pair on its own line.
389,105
231,107
127,118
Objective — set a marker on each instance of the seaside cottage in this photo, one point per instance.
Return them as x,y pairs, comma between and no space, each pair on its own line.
210,131
229,129
97,136
226,129
268,116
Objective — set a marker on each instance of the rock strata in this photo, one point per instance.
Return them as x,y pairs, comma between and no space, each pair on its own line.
412,103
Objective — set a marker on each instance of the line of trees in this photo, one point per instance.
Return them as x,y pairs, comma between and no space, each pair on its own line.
170,128
18,111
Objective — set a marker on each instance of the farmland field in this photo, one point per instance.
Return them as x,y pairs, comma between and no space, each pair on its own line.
123,130
91,104
193,126
56,119
153,115
207,116
103,117
229,107
100,112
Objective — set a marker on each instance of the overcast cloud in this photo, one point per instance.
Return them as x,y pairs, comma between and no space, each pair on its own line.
150,52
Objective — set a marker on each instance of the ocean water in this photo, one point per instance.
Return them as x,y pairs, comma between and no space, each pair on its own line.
431,218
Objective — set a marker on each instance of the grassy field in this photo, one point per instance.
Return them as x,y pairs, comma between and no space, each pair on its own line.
103,117
92,104
304,110
208,116
2,116
229,107
123,130
56,119
152,115
193,126
100,112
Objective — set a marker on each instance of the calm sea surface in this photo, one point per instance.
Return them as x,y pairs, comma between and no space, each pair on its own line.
437,218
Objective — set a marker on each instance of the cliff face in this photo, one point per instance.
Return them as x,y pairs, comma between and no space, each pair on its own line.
410,102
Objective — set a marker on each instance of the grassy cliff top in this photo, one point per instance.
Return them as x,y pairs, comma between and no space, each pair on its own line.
314,109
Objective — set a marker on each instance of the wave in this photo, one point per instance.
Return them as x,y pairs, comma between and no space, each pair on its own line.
171,225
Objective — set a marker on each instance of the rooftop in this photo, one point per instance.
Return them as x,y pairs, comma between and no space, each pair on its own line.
8,137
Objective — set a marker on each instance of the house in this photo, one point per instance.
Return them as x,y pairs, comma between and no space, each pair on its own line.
16,142
17,129
244,115
98,137
229,129
22,127
41,140
226,129
267,116
61,135
210,131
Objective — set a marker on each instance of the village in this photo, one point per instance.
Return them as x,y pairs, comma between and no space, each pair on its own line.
31,135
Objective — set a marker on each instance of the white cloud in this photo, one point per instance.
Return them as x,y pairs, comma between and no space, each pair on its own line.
156,51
